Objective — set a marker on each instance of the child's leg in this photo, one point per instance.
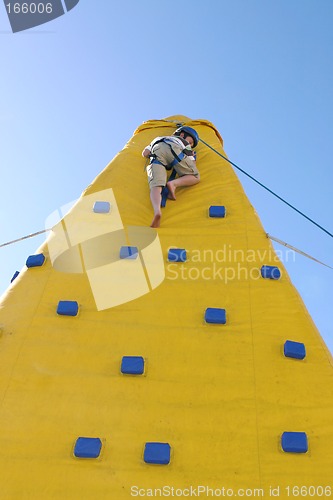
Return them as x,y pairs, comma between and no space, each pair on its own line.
185,180
155,198
157,179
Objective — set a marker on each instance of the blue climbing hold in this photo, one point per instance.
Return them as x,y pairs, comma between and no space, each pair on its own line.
270,272
294,442
293,349
101,207
217,211
87,447
35,260
215,315
67,308
157,453
15,275
132,365
129,252
177,255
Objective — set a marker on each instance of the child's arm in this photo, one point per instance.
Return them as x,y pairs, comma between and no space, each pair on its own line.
146,152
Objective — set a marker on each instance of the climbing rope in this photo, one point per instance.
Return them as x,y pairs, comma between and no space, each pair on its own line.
296,250
252,178
24,237
32,235
267,189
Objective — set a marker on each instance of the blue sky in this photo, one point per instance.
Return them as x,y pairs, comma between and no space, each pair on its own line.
74,90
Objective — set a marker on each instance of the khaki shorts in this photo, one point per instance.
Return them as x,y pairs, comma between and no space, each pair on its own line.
157,174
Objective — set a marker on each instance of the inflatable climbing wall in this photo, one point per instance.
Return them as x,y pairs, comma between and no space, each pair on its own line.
172,362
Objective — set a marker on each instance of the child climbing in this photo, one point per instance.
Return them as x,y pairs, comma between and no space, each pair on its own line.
166,153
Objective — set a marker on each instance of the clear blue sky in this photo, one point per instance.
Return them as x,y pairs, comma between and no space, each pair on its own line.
74,90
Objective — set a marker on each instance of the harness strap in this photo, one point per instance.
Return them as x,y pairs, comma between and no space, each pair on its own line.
154,160
165,190
177,158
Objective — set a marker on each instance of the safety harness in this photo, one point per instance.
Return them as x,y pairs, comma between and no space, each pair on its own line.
177,158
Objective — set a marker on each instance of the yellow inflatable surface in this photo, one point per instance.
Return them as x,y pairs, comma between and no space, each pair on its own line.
179,361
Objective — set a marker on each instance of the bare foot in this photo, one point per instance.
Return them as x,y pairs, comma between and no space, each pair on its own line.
172,189
156,220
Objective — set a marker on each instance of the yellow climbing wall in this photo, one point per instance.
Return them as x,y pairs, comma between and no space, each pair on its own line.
220,395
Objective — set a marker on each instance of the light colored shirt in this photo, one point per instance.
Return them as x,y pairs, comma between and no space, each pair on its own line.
172,140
